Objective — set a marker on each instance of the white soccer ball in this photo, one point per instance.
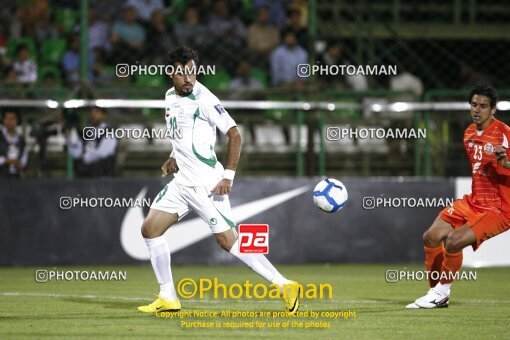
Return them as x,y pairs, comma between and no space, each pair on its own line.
330,195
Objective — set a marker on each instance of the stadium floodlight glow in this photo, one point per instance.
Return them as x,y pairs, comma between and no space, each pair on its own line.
399,106
253,105
107,103
503,105
52,104
376,107
128,103
74,103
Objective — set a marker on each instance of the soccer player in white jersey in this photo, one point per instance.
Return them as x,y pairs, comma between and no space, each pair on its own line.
200,183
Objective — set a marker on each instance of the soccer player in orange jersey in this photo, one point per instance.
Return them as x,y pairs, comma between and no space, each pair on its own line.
478,216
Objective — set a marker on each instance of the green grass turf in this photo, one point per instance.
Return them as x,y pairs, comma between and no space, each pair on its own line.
86,309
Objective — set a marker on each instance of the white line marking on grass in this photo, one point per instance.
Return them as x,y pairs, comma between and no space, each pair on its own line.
52,295
125,298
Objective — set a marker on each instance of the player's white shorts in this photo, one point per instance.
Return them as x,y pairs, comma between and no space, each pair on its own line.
213,209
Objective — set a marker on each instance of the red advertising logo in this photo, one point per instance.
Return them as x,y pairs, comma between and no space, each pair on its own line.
254,238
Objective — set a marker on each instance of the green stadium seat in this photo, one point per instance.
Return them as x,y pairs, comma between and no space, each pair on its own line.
276,114
13,44
49,69
260,74
178,6
218,81
52,51
247,11
150,80
66,17
109,70
349,113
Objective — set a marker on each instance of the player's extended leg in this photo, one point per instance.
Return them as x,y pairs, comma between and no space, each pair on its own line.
459,239
456,241
153,229
434,254
439,295
257,262
433,246
260,264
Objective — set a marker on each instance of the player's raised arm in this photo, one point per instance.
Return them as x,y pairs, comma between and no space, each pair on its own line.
233,148
233,154
169,167
501,155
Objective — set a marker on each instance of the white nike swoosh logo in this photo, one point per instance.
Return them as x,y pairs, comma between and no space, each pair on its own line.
184,234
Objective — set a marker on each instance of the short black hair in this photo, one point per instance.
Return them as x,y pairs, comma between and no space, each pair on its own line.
11,110
99,108
287,31
182,55
293,11
20,47
488,91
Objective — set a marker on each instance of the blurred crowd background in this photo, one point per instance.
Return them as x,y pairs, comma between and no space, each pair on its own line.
63,49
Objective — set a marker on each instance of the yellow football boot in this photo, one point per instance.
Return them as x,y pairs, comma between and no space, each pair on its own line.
290,296
161,305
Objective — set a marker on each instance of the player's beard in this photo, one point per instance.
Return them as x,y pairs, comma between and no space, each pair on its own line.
186,91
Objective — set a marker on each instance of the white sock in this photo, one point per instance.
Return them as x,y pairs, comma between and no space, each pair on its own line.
444,288
260,265
160,260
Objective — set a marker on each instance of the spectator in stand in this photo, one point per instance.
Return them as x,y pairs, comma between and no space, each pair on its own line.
295,25
302,7
243,80
226,27
406,81
191,32
29,13
95,156
228,33
13,150
107,11
45,29
7,73
145,8
128,38
159,37
9,77
246,87
98,32
49,81
333,55
276,9
285,60
98,75
262,37
3,39
25,68
71,61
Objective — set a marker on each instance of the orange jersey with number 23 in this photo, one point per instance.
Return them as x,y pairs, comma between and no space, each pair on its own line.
490,188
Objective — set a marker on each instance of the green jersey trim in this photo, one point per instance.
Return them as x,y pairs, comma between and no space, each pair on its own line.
211,161
230,223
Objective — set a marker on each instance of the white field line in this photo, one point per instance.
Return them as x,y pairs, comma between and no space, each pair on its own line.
125,298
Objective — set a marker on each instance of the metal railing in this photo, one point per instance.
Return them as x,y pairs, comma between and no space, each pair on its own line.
315,115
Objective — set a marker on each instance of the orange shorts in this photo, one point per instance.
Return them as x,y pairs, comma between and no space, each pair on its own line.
485,224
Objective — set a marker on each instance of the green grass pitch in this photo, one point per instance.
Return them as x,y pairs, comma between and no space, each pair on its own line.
90,309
